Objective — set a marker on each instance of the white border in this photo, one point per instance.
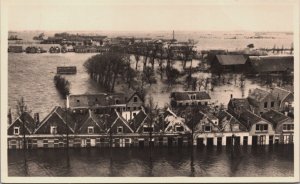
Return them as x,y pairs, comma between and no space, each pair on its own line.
4,71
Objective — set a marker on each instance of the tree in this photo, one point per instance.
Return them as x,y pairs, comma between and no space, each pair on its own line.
107,67
62,84
172,75
21,110
137,59
187,51
149,75
152,111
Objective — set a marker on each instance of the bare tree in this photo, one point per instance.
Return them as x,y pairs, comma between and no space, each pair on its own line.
21,110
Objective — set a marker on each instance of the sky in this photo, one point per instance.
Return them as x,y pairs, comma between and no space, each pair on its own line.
142,15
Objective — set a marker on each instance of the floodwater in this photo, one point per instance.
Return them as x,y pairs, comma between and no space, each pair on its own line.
197,162
31,76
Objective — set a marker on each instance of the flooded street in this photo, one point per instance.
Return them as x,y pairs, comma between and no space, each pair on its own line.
201,162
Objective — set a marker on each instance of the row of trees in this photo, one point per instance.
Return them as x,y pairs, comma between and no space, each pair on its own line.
62,85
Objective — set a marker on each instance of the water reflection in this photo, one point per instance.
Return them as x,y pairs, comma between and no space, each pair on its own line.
193,162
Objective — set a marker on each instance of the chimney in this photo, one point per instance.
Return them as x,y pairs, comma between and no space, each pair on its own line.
285,113
36,119
9,116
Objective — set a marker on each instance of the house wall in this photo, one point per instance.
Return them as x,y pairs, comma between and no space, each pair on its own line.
259,109
289,99
131,105
83,101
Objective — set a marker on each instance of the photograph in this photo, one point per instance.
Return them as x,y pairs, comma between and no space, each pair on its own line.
149,91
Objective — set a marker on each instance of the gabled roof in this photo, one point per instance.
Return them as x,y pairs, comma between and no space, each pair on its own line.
239,102
28,122
91,116
280,93
114,117
138,120
186,95
258,95
231,59
64,115
247,118
230,118
272,63
274,117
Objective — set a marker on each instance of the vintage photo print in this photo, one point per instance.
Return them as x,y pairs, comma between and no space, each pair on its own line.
149,91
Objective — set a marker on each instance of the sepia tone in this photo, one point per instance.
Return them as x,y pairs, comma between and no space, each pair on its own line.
191,89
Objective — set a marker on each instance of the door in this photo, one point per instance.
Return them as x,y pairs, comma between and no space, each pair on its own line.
180,141
271,140
210,142
254,140
245,140
170,141
229,141
93,142
83,143
200,142
219,141
262,140
237,141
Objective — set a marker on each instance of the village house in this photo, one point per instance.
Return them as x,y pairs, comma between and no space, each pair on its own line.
15,49
229,63
261,131
261,101
23,125
285,100
284,126
233,131
189,98
130,101
266,65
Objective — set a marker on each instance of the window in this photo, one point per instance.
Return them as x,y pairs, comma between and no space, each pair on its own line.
272,104
53,130
206,103
179,129
180,104
262,127
135,99
90,129
266,105
207,128
187,104
120,129
193,97
16,130
134,108
78,101
288,127
117,101
134,114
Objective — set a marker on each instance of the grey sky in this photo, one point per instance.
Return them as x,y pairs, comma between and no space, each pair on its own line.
148,16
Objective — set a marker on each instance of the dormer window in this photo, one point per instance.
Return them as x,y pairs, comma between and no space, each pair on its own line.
90,130
53,129
16,130
135,99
